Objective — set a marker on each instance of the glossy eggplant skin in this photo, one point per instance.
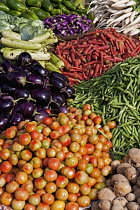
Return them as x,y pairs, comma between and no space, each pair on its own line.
41,96
6,105
16,78
4,120
39,70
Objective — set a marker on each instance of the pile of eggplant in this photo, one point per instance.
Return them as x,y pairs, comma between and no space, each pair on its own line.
28,90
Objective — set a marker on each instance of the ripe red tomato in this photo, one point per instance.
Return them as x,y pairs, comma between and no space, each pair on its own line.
24,139
82,165
54,163
50,187
11,187
50,175
21,177
83,201
48,198
5,167
34,199
85,189
6,198
68,172
21,194
72,206
61,182
29,207
72,187
71,162
58,205
43,206
81,177
72,197
97,120
61,194
40,183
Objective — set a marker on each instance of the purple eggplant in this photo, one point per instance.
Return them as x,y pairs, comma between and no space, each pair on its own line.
69,91
6,105
63,109
41,95
16,118
4,120
21,93
28,108
7,65
58,75
24,58
7,89
17,79
39,70
41,115
35,80
57,83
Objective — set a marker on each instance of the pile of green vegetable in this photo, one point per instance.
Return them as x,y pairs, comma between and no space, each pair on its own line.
41,9
116,96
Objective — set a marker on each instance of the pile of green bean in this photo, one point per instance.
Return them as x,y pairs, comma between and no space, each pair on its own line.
116,96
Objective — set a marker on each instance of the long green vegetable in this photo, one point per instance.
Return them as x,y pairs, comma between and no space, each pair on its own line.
116,96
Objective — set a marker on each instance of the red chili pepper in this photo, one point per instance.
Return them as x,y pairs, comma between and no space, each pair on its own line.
66,63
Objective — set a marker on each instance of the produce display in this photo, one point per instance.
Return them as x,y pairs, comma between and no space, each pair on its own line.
28,89
63,158
69,104
68,24
118,14
41,9
123,188
115,95
96,53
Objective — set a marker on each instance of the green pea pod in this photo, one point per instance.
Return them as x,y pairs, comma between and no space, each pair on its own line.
90,16
16,5
56,12
64,9
30,15
3,7
40,13
47,5
14,12
69,5
34,3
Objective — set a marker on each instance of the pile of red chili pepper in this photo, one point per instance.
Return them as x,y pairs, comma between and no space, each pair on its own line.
95,54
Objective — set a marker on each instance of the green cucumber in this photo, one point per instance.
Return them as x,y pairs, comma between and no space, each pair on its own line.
41,38
15,43
10,34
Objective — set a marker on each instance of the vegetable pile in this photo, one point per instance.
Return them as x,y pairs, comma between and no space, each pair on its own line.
123,188
116,96
27,28
118,14
95,54
28,89
68,24
57,163
41,9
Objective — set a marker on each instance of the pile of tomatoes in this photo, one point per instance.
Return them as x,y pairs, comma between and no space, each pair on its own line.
59,163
